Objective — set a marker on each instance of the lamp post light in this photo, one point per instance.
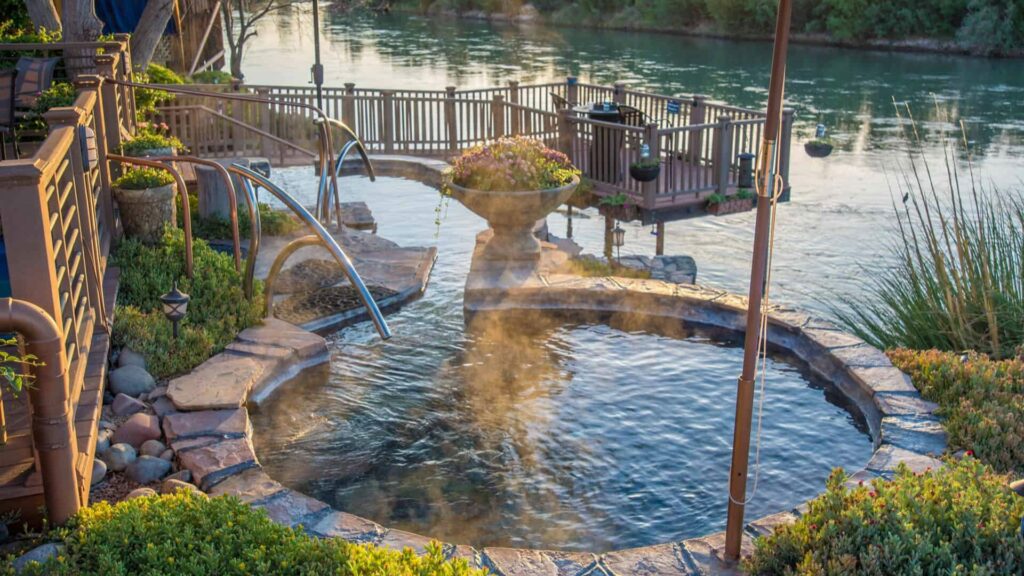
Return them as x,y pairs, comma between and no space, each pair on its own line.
618,239
175,306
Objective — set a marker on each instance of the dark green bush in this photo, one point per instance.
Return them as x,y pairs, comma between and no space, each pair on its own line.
142,178
211,77
959,520
163,75
993,27
189,535
147,139
982,402
149,334
218,309
60,94
272,222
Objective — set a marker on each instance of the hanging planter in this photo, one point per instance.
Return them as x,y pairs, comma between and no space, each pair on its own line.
818,148
646,170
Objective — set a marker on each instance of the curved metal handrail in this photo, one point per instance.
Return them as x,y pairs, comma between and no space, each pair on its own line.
279,260
328,241
255,233
324,192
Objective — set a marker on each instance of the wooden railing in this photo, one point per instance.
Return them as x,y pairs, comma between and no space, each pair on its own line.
699,141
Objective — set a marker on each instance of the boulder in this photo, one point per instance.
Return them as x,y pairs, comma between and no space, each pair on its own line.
140,492
119,457
39,554
131,380
124,405
147,469
138,429
170,486
128,357
99,471
152,448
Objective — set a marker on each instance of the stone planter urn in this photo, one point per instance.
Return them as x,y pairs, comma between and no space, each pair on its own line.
731,206
145,212
165,151
512,216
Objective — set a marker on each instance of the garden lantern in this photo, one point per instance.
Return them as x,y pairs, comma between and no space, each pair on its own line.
618,239
175,306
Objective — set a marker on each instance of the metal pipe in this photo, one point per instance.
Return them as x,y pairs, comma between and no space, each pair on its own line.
255,233
318,68
232,198
758,272
279,260
339,255
182,191
53,434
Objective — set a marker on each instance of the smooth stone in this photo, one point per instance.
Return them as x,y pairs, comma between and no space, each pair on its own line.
131,380
213,463
129,357
221,382
152,448
218,423
249,486
137,429
119,457
181,476
887,458
99,471
39,554
172,485
124,405
167,455
158,392
106,425
1018,487
400,540
103,440
140,493
162,406
516,562
348,527
147,469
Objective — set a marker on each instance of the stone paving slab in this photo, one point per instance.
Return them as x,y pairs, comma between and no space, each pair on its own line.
293,508
706,554
658,560
887,379
249,486
221,382
217,423
899,404
921,434
348,527
766,526
400,540
887,458
519,562
216,462
278,333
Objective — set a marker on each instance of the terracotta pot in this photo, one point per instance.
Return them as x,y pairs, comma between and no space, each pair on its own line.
512,216
731,206
145,212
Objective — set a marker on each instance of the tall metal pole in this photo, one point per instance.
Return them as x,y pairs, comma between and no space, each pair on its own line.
767,173
318,68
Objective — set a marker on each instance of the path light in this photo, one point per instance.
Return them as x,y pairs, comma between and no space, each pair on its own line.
175,305
618,239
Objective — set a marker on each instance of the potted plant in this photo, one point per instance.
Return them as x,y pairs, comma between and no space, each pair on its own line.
512,183
821,145
151,142
145,198
645,169
720,205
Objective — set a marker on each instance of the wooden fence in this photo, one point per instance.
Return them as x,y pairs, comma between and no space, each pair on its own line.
698,141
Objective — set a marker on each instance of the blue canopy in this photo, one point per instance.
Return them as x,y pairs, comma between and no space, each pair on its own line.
120,16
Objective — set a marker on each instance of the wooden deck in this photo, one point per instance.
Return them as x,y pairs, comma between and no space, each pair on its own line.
21,488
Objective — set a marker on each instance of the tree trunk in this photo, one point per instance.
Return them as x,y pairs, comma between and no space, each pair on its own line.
80,21
149,30
43,14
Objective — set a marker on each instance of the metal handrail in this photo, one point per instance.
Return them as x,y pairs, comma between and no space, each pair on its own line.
325,192
328,241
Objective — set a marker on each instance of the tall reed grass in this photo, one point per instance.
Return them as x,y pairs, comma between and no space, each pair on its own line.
957,282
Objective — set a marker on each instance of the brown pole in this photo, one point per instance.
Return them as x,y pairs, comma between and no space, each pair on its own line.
767,167
52,433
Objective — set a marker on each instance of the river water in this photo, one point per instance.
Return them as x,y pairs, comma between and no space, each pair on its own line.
581,435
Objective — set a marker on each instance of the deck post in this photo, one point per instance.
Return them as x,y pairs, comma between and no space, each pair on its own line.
566,133
722,146
516,116
348,106
698,115
265,112
659,242
105,208
572,90
498,115
619,92
785,143
106,65
388,120
126,69
650,189
451,119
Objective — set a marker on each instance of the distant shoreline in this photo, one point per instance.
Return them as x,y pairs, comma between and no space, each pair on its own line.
908,45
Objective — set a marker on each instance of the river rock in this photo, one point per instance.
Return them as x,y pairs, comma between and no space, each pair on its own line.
138,429
140,493
99,471
162,406
170,486
184,475
119,457
147,469
167,455
103,440
1018,487
152,448
125,405
39,554
131,380
129,357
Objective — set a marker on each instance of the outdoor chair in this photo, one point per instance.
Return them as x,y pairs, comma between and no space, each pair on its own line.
34,76
8,125
560,103
634,116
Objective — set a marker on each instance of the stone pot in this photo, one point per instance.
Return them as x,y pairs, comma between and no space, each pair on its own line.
145,212
165,151
512,216
731,206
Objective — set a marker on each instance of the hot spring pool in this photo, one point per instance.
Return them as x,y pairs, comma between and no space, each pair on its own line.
535,431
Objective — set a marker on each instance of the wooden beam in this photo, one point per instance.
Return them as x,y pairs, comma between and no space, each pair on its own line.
206,36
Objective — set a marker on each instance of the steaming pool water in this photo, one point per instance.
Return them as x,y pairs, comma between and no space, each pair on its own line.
567,433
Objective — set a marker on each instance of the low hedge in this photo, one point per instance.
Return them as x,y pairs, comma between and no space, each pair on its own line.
189,535
981,402
961,519
217,311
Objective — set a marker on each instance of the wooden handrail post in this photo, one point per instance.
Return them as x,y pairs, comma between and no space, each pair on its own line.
451,119
650,189
498,115
388,120
722,147
785,143
127,70
566,132
265,111
572,90
517,113
348,106
107,67
619,92
697,117
105,207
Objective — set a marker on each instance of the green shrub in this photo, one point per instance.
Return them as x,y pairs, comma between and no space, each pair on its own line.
211,77
993,27
959,520
147,99
190,535
58,95
142,178
163,75
956,283
981,400
272,223
21,30
12,376
218,307
148,139
150,334
15,14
